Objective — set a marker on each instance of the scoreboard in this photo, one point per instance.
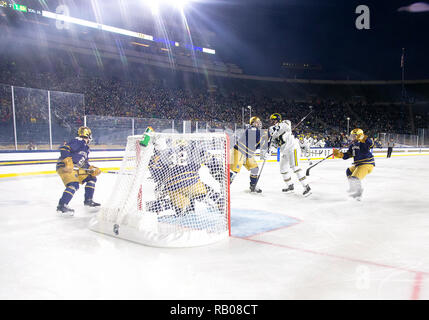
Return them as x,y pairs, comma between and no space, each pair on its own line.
64,19
18,7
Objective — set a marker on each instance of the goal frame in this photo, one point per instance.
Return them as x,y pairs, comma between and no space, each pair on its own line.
146,237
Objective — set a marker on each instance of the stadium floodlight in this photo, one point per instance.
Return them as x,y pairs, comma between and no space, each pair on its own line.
154,5
179,4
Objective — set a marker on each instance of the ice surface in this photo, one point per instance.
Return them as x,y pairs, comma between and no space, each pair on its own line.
283,246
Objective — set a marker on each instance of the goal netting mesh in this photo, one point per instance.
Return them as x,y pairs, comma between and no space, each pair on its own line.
172,190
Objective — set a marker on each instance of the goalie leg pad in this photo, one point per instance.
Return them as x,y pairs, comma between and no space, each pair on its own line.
181,198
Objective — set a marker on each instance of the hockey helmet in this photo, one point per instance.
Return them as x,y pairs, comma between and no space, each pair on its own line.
356,133
275,118
84,132
255,122
180,143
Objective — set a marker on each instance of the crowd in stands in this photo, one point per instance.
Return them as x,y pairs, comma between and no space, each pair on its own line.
152,98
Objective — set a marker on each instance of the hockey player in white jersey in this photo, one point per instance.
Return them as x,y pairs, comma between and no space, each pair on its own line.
281,137
304,144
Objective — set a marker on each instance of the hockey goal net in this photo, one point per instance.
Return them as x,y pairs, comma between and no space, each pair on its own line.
172,190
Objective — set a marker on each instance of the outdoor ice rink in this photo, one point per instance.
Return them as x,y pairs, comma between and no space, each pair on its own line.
325,246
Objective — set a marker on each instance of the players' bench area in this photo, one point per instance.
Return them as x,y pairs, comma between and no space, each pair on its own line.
30,163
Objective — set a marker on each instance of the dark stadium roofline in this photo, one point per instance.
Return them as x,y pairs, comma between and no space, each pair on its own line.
140,58
320,81
369,82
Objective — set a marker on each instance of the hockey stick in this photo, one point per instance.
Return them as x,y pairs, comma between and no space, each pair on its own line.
302,120
263,164
307,173
90,171
117,172
87,171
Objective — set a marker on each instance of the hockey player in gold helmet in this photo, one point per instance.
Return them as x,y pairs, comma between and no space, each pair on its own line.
363,164
243,153
74,169
255,122
85,132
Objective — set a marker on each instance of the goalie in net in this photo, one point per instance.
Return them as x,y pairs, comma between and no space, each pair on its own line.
175,168
173,192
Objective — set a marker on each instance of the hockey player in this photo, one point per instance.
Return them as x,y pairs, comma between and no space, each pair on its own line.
243,153
363,164
281,136
177,176
74,169
305,149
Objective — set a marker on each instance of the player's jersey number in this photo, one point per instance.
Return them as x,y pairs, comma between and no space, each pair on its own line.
178,159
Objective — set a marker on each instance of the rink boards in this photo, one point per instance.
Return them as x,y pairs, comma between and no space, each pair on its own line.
30,163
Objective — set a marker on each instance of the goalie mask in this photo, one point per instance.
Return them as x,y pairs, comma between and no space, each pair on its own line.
180,144
85,132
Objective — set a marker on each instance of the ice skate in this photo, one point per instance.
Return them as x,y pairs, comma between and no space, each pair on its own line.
356,194
355,191
65,210
91,203
255,189
307,191
289,189
91,206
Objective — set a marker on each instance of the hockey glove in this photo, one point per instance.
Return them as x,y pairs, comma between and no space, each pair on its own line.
338,153
94,171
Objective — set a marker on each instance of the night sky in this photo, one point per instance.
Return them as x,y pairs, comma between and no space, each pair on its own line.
260,34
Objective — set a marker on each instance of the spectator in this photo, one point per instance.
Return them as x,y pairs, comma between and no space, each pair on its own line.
31,146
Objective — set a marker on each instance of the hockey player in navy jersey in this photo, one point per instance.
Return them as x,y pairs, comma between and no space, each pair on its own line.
74,169
243,153
363,164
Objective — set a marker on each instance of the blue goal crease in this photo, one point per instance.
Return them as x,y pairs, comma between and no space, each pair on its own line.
246,223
